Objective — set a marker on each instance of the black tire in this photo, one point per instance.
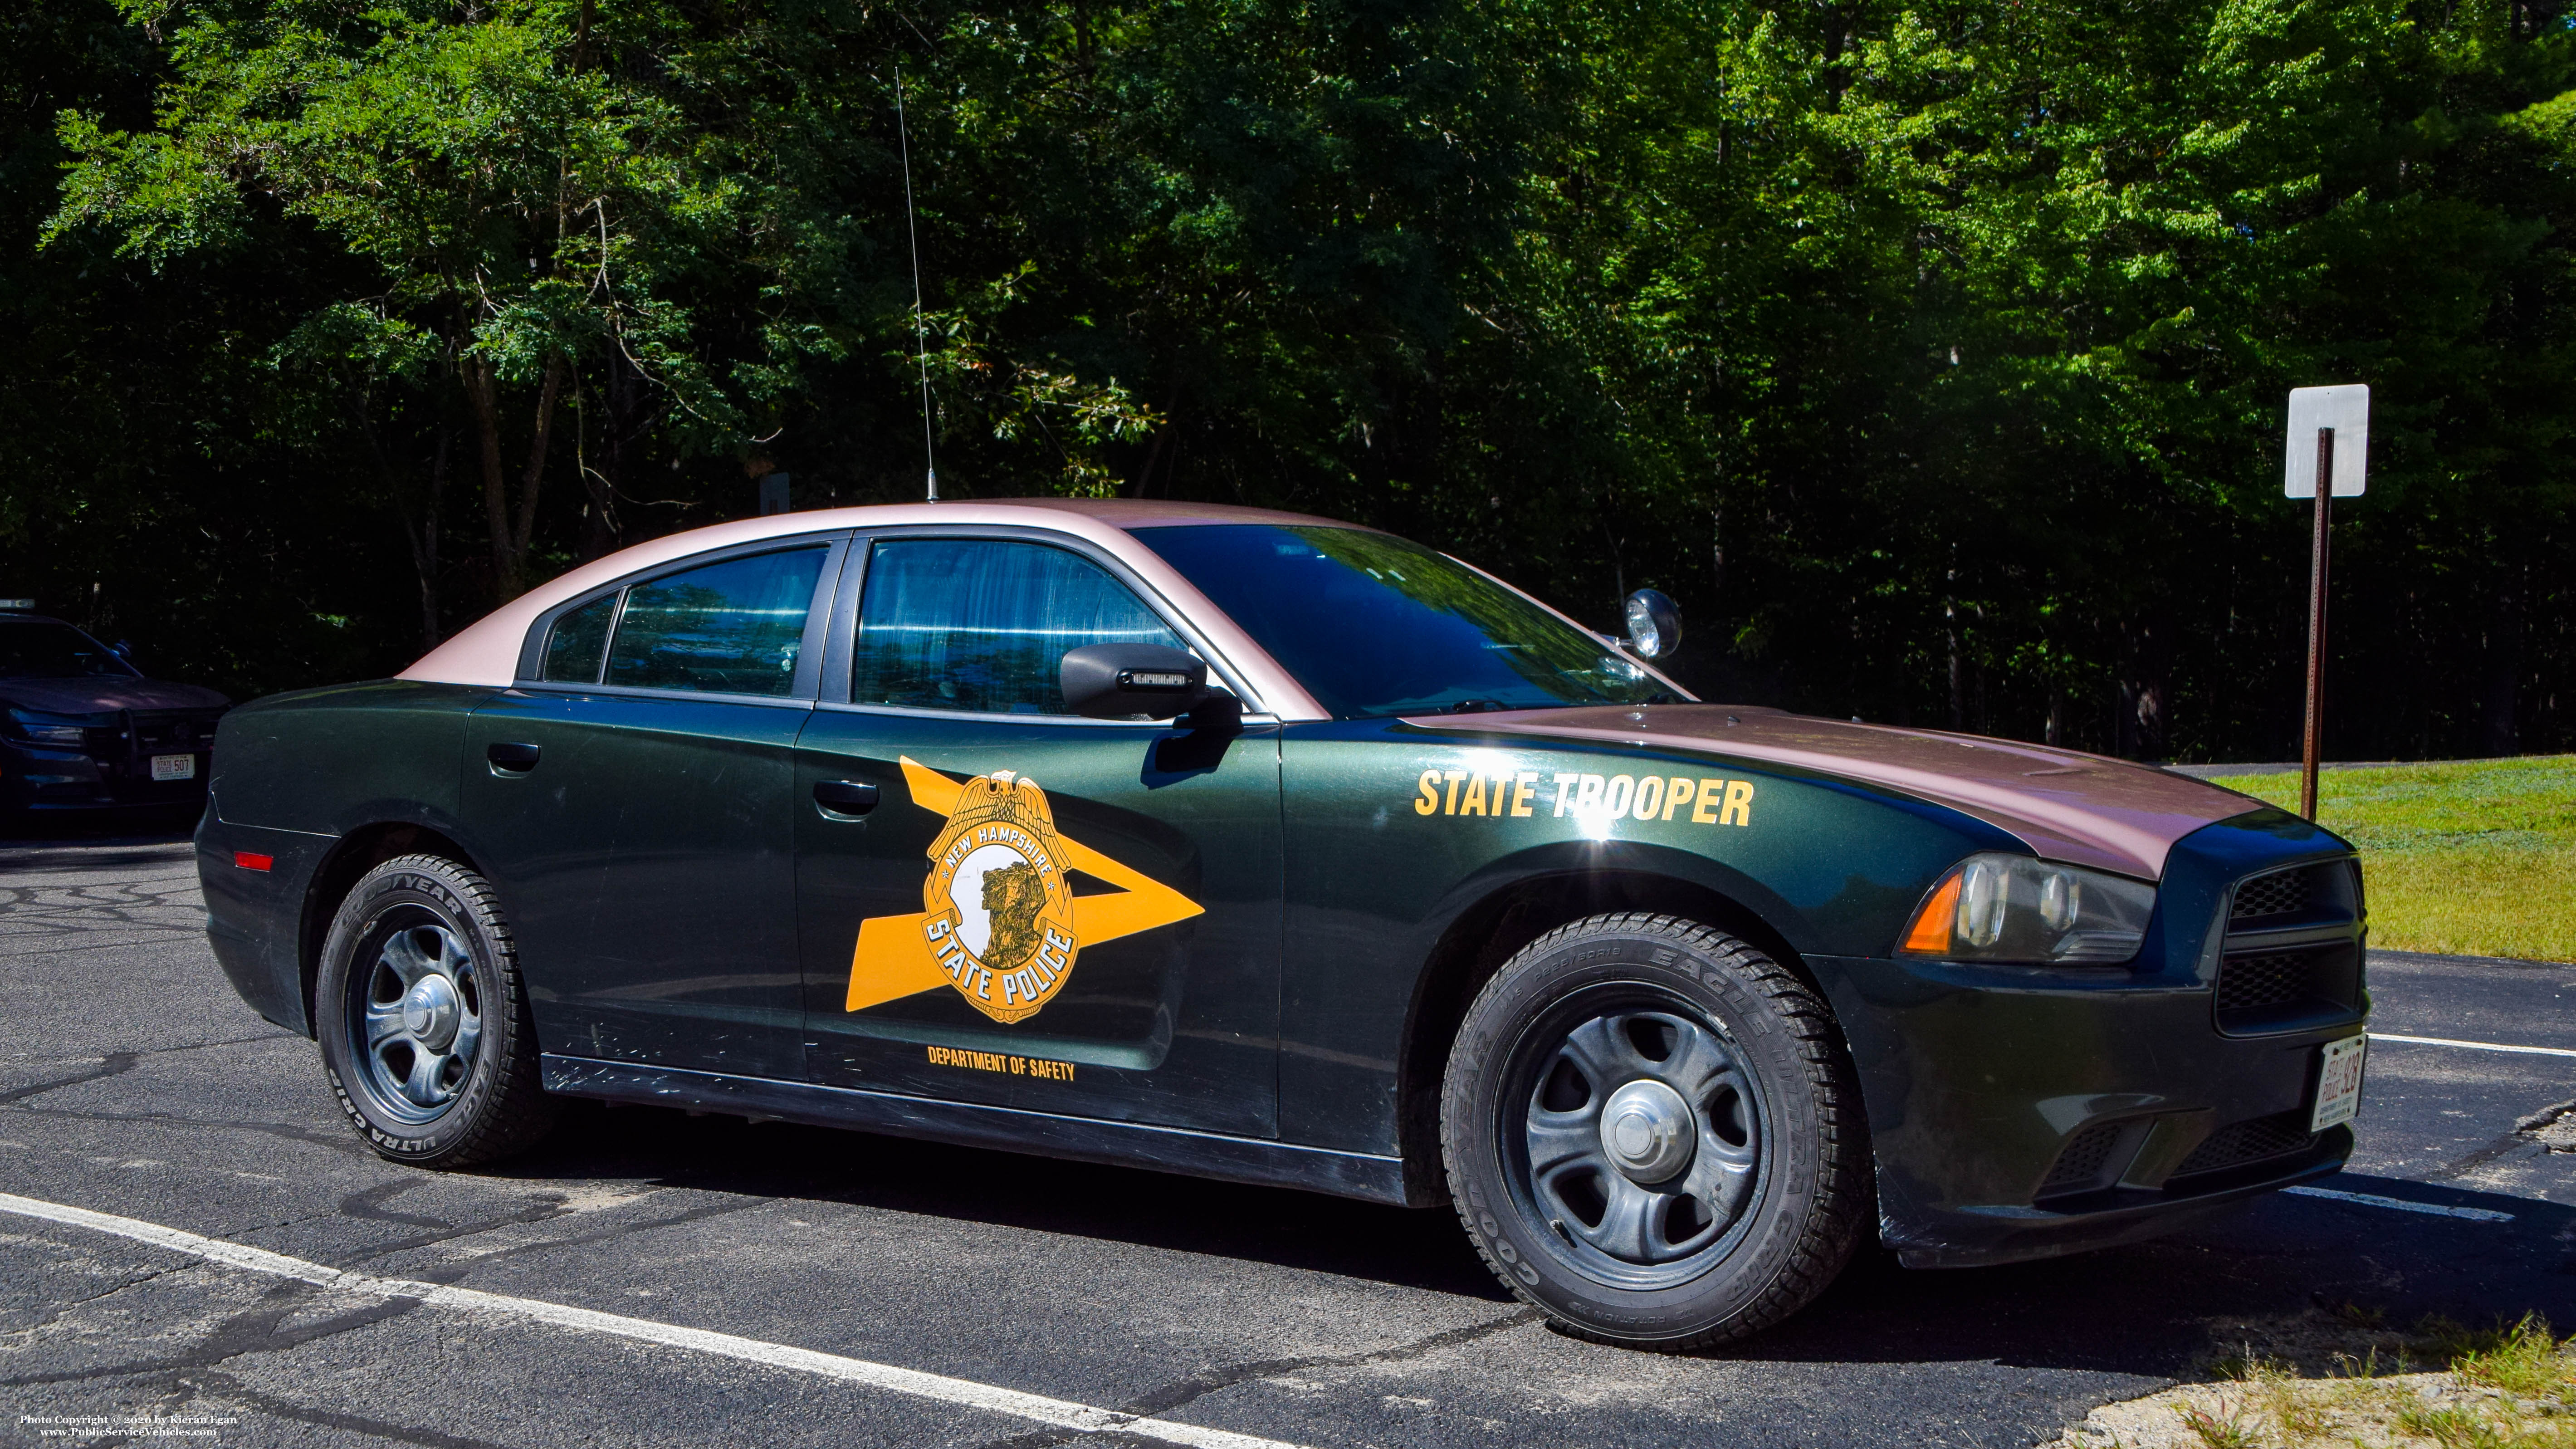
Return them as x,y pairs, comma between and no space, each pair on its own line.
1728,1185
435,1073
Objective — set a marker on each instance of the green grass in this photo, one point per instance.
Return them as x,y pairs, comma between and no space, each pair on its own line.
2512,1386
2465,857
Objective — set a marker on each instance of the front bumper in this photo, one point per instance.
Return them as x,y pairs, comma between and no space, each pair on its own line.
2023,1112
1978,1237
100,777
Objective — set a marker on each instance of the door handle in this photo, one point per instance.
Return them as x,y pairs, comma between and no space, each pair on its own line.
516,759
845,797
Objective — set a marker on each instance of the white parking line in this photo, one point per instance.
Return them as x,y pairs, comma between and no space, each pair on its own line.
2476,1046
1061,1413
2475,1215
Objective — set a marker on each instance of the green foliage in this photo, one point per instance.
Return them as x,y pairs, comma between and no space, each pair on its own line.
501,187
2523,1358
1933,357
2019,289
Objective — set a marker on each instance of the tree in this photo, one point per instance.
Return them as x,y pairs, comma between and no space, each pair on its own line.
1933,357
522,206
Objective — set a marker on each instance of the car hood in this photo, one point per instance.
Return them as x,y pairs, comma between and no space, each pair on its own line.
102,695
2065,805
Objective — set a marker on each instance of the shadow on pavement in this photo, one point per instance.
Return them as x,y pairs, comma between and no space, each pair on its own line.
2154,1307
160,825
1414,1249
2150,1309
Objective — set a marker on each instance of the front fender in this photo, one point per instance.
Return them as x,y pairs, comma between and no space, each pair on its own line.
1389,858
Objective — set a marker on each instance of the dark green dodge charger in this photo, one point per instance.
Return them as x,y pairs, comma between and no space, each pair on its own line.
1269,848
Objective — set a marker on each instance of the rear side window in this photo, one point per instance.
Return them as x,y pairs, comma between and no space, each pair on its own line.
728,628
580,638
982,624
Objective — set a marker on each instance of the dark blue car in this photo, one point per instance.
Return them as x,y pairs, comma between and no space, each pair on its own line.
82,730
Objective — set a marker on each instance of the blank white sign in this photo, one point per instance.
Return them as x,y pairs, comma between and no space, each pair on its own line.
2346,409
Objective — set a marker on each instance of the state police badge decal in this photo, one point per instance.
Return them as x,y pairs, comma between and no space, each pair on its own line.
1000,921
998,912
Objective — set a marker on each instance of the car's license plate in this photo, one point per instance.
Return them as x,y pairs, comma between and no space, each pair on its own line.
174,767
2339,1083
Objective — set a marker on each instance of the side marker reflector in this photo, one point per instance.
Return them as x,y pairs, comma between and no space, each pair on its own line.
247,861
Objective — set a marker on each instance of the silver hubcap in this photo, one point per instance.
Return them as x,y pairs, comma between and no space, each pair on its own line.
1647,1129
422,1019
1643,1138
430,1012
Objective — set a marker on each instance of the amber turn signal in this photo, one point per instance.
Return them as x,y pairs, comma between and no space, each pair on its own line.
1930,933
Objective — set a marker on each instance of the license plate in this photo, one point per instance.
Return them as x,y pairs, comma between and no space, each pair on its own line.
2339,1083
174,767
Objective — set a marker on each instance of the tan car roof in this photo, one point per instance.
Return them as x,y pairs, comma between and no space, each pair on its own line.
486,652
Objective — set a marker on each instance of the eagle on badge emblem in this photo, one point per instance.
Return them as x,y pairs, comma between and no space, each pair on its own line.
998,911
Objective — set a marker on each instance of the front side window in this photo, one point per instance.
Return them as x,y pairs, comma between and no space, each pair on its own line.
728,628
1374,625
983,624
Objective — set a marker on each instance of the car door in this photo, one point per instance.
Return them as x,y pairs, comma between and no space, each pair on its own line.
630,799
1001,902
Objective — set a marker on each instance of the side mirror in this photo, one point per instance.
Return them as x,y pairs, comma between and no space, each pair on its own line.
1654,624
1132,681
122,650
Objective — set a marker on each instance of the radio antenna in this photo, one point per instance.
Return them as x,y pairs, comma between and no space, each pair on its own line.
920,334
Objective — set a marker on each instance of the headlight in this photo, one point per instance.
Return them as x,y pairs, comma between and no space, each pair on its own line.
2013,908
50,729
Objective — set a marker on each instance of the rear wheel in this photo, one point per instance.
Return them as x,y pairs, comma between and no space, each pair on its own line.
1651,1133
423,1020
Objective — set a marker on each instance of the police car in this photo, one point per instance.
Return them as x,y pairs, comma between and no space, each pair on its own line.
1270,848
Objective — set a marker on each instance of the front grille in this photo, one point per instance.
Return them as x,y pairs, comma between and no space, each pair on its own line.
2286,990
2282,893
126,767
2250,983
2245,1142
2292,954
160,734
2079,1167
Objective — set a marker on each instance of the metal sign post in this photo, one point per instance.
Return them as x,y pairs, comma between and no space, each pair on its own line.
2329,440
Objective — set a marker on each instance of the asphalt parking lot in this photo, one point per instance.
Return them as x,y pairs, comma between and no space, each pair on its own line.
741,1284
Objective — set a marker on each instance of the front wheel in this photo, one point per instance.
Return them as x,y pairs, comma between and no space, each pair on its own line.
1651,1133
423,1021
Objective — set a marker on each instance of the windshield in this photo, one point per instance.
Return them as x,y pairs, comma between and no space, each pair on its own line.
43,649
1374,625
